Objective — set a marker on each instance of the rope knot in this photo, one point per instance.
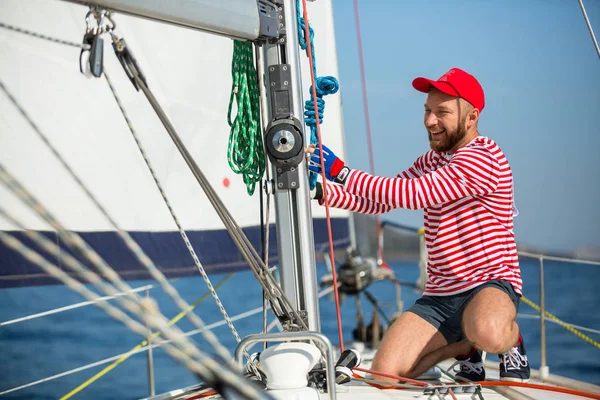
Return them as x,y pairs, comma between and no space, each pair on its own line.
327,85
302,38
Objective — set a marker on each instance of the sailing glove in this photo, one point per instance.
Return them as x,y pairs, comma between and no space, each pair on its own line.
335,168
317,192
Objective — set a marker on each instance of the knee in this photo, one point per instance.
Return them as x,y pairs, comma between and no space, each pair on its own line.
383,364
487,335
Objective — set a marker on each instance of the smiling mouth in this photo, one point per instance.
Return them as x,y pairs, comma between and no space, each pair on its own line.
437,134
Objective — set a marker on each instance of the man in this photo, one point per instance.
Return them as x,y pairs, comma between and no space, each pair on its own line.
465,186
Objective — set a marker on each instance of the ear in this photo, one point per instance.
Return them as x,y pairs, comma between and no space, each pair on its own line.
472,118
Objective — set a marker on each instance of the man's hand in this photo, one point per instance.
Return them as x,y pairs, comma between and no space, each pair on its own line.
317,192
335,168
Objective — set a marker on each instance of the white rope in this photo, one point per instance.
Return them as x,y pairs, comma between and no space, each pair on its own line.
72,307
75,241
581,328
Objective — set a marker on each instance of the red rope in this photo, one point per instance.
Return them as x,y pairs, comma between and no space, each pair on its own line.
485,384
398,378
203,395
363,80
541,387
327,213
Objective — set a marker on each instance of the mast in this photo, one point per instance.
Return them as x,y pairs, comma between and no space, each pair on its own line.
285,143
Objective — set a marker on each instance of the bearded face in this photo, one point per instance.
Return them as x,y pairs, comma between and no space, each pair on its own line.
446,121
447,138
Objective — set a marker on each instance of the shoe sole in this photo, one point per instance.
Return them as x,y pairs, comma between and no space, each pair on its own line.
508,379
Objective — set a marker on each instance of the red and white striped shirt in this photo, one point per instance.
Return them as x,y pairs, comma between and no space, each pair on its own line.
469,204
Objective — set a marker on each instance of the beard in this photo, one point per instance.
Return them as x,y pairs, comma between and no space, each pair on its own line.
449,139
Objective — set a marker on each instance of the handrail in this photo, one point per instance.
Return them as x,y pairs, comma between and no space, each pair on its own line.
544,368
422,248
581,328
554,258
395,225
400,226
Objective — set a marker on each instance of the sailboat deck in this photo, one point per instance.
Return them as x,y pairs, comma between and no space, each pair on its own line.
360,390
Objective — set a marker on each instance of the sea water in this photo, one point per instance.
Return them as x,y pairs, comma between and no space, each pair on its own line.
47,346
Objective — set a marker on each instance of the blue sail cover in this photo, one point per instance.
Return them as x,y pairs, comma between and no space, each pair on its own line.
190,74
215,249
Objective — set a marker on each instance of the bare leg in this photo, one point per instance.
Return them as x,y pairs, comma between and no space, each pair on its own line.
429,360
405,343
489,321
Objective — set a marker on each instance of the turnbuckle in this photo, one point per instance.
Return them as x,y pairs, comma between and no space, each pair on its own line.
128,62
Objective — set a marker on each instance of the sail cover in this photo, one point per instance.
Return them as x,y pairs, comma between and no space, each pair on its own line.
189,72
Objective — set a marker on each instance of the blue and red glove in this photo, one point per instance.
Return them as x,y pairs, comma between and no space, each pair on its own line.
335,168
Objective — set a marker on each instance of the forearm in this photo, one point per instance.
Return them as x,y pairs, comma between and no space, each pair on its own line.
390,192
338,198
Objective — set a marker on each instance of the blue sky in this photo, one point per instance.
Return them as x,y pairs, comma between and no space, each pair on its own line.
537,64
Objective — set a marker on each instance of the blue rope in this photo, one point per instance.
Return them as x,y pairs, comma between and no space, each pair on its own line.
324,85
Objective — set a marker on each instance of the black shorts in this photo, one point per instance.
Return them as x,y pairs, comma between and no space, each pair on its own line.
445,312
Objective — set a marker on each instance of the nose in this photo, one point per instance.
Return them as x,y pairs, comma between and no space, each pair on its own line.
430,120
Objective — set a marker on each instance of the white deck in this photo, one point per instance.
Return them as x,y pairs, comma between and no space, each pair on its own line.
360,390
357,389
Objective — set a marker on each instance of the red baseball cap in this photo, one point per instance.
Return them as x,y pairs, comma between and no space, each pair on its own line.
455,82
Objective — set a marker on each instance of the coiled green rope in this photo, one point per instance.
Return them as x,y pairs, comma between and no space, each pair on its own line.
245,152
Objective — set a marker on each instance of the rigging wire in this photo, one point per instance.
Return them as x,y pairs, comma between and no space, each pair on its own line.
309,49
363,81
279,302
45,37
589,26
143,344
73,306
182,232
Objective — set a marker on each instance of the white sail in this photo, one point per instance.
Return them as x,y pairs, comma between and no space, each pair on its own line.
190,74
